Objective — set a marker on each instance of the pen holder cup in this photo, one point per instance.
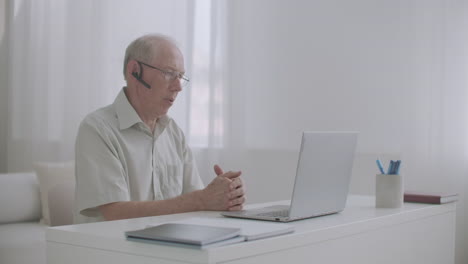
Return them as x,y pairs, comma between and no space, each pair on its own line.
389,191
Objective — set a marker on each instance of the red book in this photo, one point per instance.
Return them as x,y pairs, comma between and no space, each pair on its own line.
428,197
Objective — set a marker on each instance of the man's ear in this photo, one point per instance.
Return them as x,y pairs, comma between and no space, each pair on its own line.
132,66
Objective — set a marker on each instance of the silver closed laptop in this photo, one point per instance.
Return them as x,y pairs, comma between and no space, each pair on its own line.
322,179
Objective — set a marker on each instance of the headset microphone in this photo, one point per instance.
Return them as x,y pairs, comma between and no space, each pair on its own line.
141,80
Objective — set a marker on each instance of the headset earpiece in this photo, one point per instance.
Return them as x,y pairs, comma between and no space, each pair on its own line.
141,80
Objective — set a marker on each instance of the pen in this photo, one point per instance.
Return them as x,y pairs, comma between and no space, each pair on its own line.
379,164
397,169
394,167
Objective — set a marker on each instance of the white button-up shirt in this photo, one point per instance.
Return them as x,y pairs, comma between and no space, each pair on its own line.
119,159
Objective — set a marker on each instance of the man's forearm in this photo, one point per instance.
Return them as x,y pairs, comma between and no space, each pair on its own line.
224,192
184,203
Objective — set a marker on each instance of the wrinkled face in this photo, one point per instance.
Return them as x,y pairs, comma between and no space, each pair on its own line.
159,98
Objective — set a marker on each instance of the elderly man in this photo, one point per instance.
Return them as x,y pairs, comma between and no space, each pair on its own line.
132,159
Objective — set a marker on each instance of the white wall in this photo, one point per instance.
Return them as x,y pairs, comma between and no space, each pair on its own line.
378,67
393,70
3,87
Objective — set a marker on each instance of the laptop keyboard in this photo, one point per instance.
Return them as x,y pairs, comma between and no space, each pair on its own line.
282,213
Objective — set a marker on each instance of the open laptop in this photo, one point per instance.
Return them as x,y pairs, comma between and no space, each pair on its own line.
322,179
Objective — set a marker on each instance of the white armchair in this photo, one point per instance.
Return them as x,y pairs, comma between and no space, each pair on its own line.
28,206
22,236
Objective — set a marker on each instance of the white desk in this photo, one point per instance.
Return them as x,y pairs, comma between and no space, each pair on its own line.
416,233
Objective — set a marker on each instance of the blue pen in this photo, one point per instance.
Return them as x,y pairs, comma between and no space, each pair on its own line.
397,169
379,164
391,167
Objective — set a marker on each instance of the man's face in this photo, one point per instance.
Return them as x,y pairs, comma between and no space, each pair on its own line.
163,92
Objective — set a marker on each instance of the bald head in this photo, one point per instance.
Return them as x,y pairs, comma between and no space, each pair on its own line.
147,48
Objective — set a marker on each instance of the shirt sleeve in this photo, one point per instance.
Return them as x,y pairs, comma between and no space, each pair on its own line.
100,177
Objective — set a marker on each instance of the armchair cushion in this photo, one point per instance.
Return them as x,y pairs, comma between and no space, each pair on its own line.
57,185
19,198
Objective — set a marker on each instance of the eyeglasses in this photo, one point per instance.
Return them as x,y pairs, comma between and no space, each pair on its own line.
170,76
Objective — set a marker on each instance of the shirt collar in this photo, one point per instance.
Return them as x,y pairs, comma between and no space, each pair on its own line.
127,115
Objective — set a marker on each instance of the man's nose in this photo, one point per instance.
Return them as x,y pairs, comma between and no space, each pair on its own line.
176,85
